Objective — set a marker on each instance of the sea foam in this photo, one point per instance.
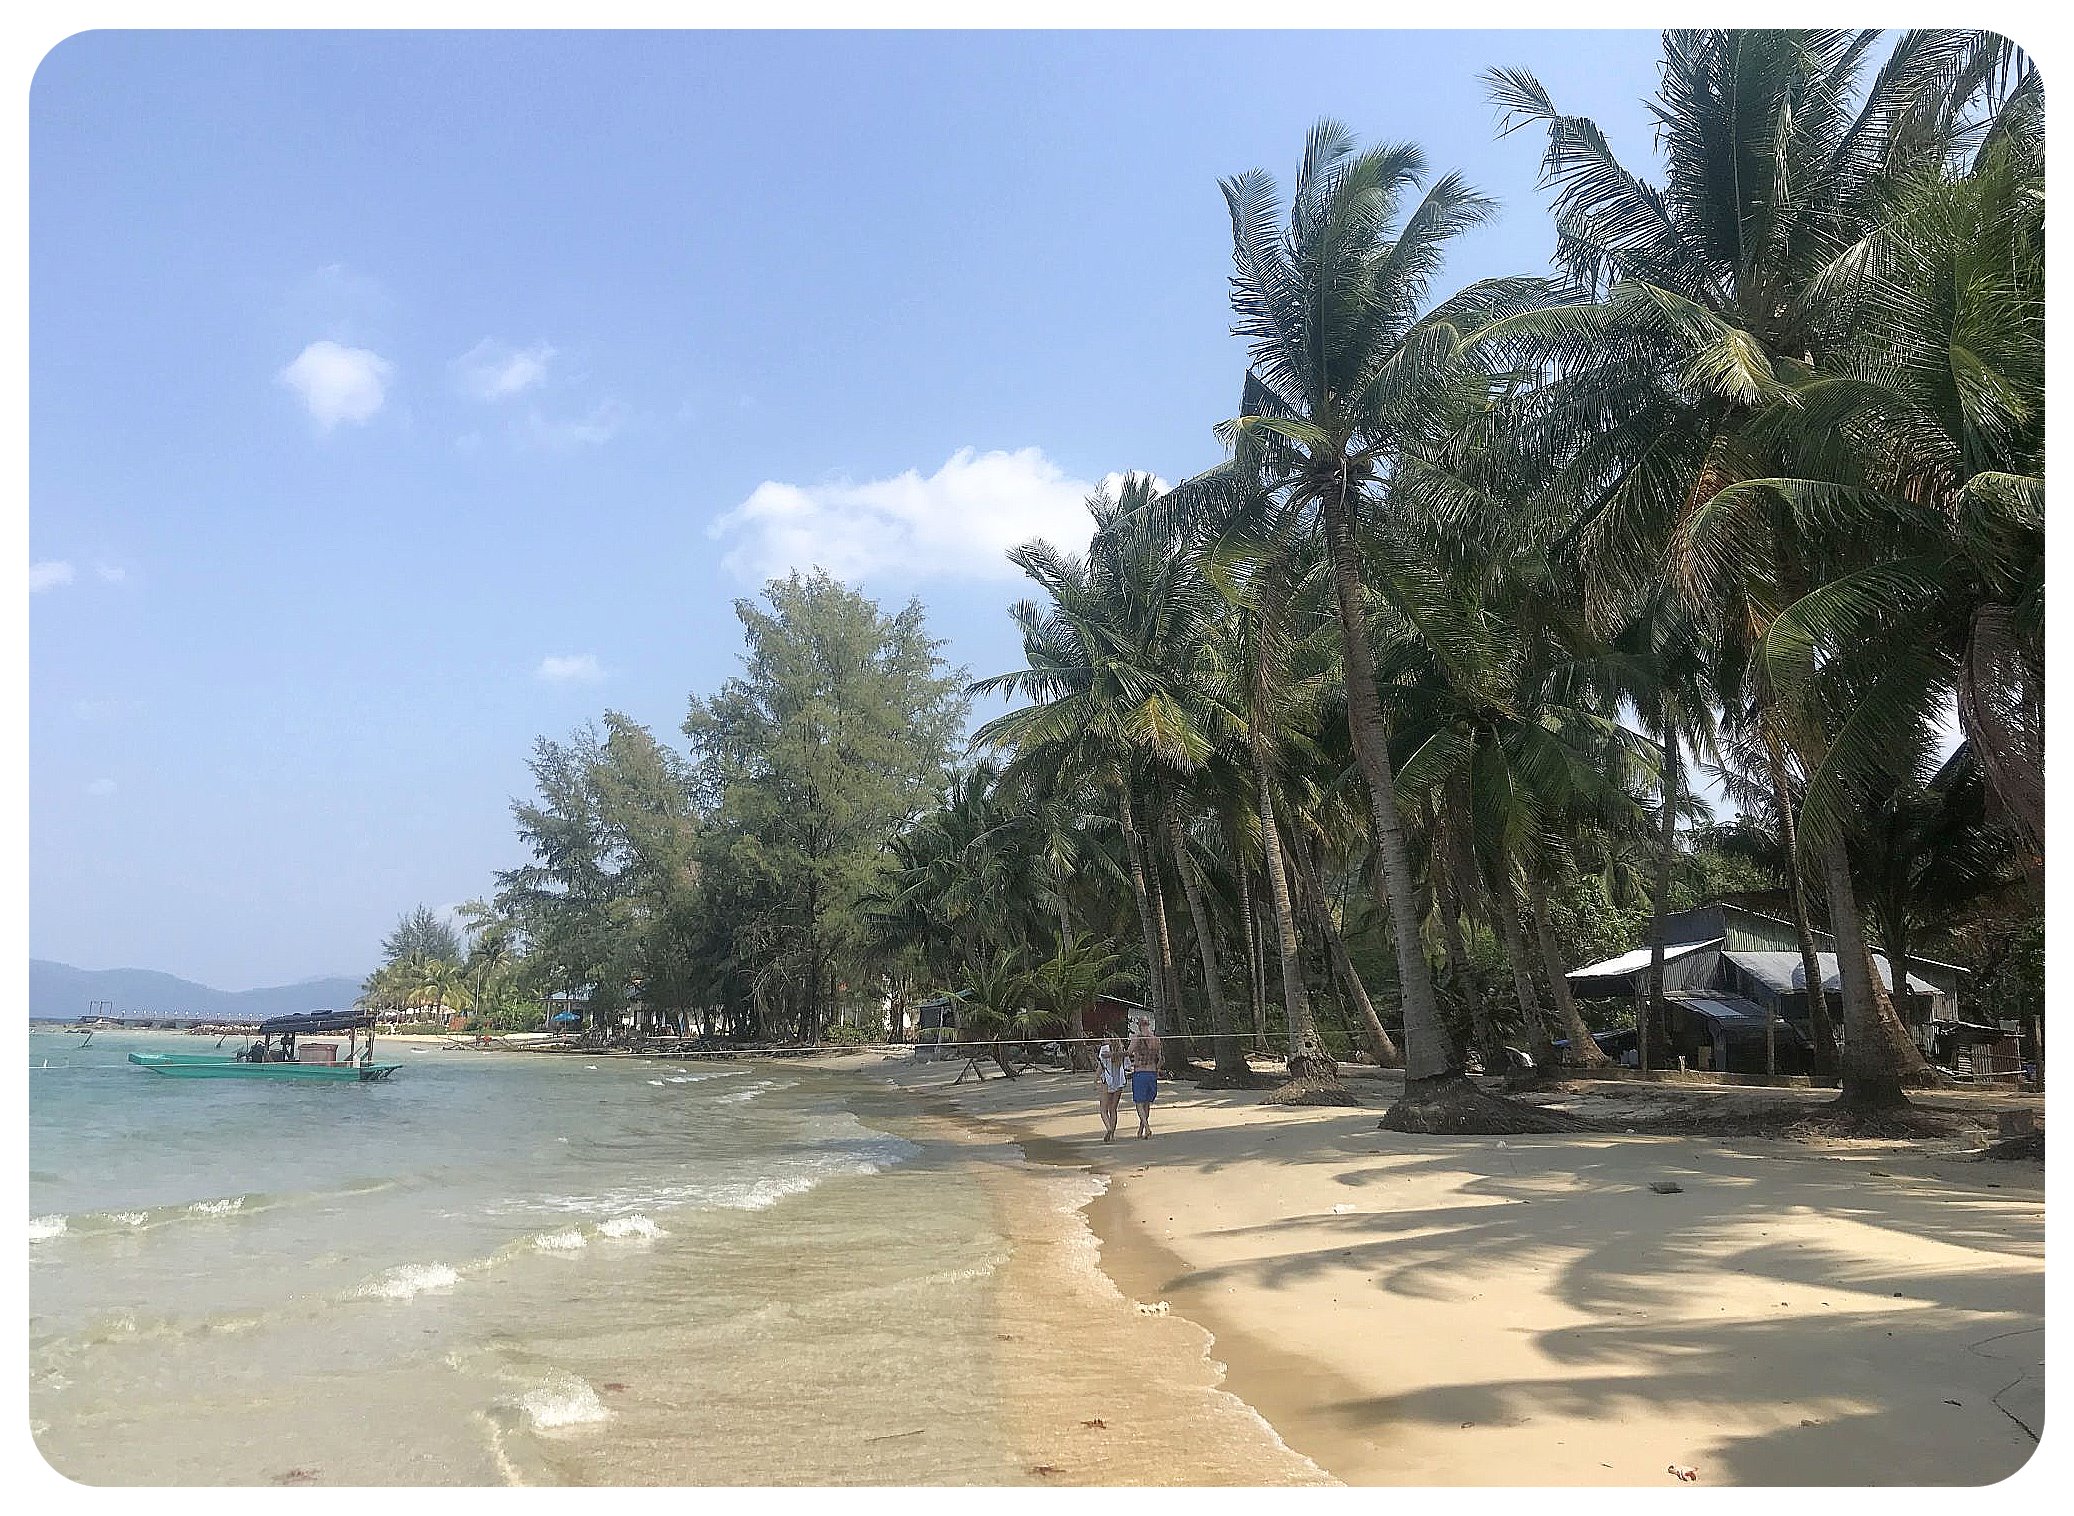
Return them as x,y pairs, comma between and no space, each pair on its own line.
407,1281
43,1228
630,1227
565,1403
560,1242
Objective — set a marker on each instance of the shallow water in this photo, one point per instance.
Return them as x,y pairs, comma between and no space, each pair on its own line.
499,1268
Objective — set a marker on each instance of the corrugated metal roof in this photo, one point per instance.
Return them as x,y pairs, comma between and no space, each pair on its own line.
1734,1013
1784,972
1936,963
1627,963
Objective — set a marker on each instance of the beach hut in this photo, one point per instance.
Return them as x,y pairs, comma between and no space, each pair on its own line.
936,1024
1725,964
1112,1015
567,1007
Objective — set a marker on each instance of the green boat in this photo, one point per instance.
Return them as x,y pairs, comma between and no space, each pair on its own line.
275,1056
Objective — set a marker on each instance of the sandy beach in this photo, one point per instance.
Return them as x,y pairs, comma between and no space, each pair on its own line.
1528,1311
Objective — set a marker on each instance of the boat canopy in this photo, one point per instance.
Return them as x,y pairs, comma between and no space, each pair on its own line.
317,1021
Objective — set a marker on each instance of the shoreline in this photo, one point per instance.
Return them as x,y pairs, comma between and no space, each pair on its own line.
1527,1311
1093,1388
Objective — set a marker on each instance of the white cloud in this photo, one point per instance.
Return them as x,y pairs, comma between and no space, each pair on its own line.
339,383
959,522
494,370
111,573
49,574
101,787
570,668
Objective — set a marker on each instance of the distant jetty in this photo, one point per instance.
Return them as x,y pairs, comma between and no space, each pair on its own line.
158,1024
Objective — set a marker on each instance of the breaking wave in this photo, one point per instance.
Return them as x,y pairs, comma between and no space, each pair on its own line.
408,1281
566,1402
759,1193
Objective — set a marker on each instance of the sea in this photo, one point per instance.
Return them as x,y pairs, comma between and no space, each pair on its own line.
500,1268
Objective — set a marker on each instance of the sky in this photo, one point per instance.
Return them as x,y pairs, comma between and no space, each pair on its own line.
399,398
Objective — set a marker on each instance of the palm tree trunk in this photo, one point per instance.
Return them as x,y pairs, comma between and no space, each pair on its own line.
1256,990
1229,1054
1872,1069
1454,876
1429,1052
1379,1042
1819,1027
1667,847
1877,1046
1584,1048
1176,1048
1263,1043
1509,933
1308,1064
1134,849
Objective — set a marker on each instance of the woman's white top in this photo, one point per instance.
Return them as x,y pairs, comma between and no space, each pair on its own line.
1114,1076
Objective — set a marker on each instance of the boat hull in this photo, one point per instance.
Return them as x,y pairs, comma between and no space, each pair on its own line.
197,1066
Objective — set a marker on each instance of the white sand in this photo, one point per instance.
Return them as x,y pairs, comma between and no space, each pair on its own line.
1526,1311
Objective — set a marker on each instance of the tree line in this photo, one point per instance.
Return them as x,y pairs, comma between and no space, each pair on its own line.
1359,737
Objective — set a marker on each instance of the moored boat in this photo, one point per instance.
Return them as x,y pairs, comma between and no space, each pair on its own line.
277,1055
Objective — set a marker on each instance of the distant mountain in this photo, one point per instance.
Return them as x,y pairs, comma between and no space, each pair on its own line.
59,992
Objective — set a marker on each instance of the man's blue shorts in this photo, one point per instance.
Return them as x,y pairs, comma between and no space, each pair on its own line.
1144,1085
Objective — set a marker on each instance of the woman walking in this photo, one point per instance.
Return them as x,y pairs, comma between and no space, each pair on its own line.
1112,1074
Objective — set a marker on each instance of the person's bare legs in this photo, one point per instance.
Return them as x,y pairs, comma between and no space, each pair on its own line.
1144,1118
1110,1100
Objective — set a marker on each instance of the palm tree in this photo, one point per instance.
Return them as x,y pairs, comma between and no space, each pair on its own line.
995,1001
1066,983
1927,853
1113,679
1251,544
1349,376
1702,305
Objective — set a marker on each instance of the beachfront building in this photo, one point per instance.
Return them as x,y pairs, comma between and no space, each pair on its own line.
567,1008
1113,1016
1731,973
936,1025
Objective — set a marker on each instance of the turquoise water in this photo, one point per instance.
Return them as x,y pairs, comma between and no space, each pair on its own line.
501,1268
493,1268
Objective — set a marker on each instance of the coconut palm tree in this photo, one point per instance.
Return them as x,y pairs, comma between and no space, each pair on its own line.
1254,546
1351,373
1115,686
1702,305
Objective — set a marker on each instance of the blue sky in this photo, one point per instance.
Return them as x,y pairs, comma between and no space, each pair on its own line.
399,398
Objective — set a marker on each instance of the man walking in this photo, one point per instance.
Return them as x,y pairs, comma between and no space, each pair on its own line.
1144,1052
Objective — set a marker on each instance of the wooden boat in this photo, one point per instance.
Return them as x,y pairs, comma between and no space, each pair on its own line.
275,1055
175,1066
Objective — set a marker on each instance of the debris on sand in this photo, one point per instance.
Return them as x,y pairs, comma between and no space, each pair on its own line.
2030,1145
1667,1186
1683,1472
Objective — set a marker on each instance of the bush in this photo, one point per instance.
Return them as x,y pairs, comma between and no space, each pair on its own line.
842,1036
